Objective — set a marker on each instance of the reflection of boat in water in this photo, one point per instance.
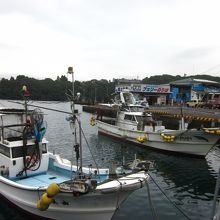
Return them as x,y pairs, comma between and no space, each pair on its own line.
137,127
48,186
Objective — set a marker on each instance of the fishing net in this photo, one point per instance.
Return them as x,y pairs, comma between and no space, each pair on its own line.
37,116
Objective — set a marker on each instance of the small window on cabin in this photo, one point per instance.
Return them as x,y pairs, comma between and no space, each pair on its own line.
209,96
216,96
17,151
5,150
130,117
44,149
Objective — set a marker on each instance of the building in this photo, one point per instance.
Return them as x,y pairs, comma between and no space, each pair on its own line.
154,94
192,89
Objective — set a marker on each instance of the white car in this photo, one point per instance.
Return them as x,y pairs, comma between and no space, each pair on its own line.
194,103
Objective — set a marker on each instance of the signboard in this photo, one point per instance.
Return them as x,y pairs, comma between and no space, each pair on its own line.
144,88
156,88
198,87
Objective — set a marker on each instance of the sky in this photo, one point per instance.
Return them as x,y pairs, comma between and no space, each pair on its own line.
106,39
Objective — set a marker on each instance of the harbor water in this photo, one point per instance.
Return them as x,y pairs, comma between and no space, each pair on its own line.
180,187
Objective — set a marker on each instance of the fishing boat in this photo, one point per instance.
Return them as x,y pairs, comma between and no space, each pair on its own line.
47,186
138,127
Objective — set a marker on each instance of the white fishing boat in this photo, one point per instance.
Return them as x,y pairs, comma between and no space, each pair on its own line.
137,127
47,186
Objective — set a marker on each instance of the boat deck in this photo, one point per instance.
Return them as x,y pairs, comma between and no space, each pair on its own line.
43,180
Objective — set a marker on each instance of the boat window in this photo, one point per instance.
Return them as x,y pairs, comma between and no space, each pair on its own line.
139,118
129,98
146,120
4,150
18,151
130,117
44,149
216,96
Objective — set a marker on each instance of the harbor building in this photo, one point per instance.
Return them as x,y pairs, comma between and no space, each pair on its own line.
190,89
154,94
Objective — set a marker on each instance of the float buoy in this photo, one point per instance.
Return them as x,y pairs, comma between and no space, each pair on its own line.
168,138
47,198
92,121
52,190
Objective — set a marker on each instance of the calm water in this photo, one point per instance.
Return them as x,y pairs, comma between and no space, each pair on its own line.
188,182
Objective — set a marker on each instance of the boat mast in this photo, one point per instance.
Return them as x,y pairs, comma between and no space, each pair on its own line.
74,119
26,94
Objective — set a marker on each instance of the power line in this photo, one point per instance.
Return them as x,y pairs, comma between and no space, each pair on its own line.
212,68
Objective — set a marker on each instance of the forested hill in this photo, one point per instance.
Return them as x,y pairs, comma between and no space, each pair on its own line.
165,79
91,91
56,90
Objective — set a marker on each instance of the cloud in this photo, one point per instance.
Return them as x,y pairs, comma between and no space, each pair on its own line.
196,53
105,39
5,47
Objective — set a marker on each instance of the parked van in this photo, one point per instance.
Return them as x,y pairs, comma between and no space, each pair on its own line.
194,103
212,101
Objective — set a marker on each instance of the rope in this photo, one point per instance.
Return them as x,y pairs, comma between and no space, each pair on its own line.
180,210
89,147
150,202
38,192
118,194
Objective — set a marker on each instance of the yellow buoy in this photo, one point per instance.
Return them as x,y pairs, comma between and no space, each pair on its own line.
140,139
41,206
46,200
168,138
52,189
218,132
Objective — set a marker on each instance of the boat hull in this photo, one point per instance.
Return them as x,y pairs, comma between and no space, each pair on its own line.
190,142
98,204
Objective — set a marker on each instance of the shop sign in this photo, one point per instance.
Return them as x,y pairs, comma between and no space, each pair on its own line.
155,89
144,88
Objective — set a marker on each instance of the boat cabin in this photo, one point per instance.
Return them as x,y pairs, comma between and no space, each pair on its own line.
140,121
20,152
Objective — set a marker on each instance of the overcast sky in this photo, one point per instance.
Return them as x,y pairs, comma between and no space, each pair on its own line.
105,39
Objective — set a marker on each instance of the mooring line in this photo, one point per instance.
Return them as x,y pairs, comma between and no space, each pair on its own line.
179,209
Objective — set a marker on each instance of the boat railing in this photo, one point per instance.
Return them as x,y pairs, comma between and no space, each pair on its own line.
13,130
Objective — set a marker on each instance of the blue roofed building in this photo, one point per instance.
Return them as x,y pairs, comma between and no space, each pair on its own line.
192,89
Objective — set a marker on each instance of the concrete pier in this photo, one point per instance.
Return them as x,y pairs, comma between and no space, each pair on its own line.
189,114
